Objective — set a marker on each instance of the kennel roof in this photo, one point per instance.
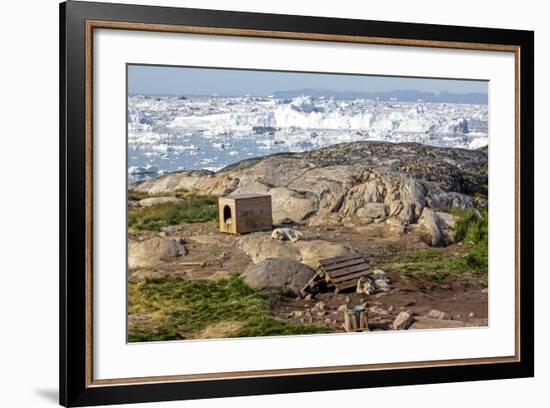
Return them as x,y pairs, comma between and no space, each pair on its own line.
246,196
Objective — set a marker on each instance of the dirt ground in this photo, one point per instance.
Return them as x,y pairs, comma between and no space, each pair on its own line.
213,255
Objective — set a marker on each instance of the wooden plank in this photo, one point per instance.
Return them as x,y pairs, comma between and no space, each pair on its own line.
346,284
354,322
363,320
344,264
248,206
248,196
328,261
347,321
252,198
336,259
354,276
312,282
316,280
349,270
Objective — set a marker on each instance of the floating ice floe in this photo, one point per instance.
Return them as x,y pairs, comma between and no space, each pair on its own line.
143,170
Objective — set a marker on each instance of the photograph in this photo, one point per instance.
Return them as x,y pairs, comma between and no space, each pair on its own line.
276,203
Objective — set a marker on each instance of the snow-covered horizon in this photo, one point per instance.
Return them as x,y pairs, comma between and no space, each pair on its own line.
402,95
169,133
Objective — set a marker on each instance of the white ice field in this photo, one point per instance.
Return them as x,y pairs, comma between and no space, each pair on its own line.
170,133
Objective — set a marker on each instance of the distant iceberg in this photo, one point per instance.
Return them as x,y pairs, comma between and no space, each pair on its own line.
307,113
169,133
143,170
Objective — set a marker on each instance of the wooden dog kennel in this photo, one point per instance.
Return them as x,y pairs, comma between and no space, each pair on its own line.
240,214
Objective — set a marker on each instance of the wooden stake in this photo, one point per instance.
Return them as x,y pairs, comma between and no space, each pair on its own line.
356,319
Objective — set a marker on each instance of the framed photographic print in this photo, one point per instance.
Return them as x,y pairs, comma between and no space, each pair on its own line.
256,203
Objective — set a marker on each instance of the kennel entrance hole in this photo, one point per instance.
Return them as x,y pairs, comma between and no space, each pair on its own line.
227,214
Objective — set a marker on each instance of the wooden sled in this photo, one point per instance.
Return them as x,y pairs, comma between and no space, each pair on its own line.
338,273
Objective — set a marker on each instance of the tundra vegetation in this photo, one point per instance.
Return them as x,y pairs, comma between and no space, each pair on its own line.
191,208
174,309
471,229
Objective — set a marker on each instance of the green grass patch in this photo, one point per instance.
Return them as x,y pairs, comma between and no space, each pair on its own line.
480,198
389,250
193,208
134,195
474,231
433,265
173,308
471,227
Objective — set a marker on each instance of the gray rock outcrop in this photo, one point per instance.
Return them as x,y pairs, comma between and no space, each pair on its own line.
438,227
362,180
152,251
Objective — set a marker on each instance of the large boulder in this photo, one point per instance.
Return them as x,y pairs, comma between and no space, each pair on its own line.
280,273
260,247
438,227
152,251
291,204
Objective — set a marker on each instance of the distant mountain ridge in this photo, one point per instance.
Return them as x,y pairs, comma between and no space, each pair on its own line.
397,95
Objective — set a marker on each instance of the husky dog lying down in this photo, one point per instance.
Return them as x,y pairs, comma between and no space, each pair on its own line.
284,234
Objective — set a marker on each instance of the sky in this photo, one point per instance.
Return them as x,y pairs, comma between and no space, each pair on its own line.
162,80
